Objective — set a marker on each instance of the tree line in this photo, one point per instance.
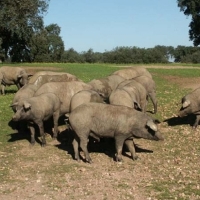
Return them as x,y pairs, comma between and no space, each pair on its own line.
126,55
24,38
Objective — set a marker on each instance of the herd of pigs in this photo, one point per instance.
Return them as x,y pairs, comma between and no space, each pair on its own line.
110,107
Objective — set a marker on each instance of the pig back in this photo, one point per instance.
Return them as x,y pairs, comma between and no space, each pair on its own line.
34,78
64,90
103,118
132,72
85,96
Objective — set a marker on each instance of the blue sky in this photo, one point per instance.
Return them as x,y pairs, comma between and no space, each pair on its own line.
105,24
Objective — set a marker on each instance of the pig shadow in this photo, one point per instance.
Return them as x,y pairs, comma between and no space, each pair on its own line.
105,145
65,139
175,121
23,132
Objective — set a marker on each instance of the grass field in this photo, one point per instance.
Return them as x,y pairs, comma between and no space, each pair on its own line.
165,170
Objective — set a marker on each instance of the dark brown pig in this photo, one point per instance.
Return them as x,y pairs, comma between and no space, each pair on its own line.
105,120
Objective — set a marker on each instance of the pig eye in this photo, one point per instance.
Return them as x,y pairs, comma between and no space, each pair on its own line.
21,110
182,108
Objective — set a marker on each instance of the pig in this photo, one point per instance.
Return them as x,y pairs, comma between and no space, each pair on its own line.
41,79
23,93
191,105
29,89
85,96
105,86
132,72
12,76
66,76
65,91
150,86
36,110
105,120
130,93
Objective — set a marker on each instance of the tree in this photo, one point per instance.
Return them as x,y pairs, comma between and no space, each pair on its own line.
55,43
72,56
89,56
46,45
19,20
39,47
192,8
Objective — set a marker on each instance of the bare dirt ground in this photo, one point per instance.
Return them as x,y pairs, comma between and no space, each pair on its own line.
51,173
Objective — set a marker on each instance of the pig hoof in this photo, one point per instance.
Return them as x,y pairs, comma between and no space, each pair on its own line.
32,143
135,157
90,162
43,144
119,160
77,158
194,127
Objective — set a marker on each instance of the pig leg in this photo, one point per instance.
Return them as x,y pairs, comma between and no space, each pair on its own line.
119,141
143,104
94,136
41,128
75,146
55,121
32,130
83,145
152,96
18,86
196,121
130,145
3,89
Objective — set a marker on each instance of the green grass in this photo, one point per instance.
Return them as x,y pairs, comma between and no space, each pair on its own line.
173,166
177,72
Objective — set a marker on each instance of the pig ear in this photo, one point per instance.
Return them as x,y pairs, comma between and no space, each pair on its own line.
137,106
67,115
186,103
14,104
27,105
152,125
19,76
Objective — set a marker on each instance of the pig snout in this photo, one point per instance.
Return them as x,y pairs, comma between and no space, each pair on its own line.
159,136
182,112
15,118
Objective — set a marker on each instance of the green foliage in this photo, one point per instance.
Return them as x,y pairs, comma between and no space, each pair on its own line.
19,20
46,45
192,8
121,55
177,72
134,55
